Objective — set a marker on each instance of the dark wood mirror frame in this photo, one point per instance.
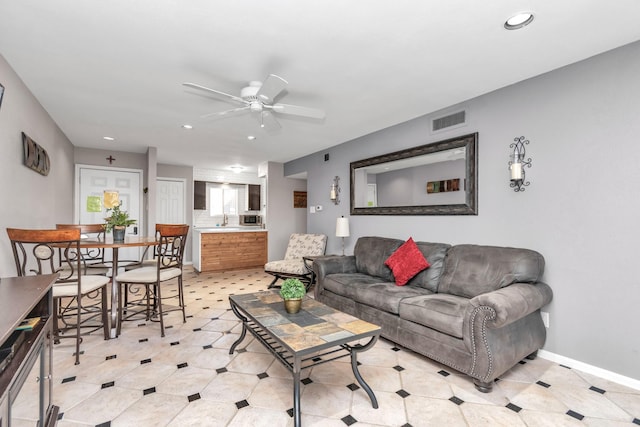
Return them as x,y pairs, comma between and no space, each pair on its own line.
469,207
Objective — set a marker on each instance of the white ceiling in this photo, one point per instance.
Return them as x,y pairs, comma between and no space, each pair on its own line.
115,67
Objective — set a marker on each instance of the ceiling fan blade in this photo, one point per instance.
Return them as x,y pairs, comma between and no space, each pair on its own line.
217,92
267,121
271,87
227,113
297,110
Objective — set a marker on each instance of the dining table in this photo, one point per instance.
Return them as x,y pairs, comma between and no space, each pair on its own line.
106,243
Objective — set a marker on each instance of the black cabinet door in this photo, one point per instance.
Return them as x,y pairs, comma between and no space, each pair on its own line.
199,195
254,197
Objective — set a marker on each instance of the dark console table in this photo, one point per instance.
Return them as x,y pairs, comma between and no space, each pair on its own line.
26,354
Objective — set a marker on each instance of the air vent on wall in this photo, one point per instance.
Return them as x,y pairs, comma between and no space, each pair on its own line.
448,121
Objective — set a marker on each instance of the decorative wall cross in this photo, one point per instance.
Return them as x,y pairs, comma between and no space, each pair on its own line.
110,158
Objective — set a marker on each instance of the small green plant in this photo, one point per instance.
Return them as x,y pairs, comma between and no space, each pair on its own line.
118,218
292,289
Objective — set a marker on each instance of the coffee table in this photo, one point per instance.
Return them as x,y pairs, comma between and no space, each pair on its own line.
317,334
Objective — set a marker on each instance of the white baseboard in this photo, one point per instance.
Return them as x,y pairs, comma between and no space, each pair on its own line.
590,369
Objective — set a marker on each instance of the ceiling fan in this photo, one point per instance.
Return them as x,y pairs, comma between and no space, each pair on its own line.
258,98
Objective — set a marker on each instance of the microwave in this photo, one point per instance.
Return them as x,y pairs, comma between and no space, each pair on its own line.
250,220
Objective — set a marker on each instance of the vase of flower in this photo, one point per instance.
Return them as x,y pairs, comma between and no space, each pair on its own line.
118,222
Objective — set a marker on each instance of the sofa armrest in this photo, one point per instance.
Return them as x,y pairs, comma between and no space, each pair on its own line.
334,264
513,302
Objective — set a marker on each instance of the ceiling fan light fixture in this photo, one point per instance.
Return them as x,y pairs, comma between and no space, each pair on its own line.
518,21
256,106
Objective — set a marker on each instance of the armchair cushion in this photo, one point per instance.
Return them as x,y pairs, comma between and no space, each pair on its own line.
290,266
305,245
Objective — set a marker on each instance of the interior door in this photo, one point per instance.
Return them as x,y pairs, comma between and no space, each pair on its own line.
170,201
91,184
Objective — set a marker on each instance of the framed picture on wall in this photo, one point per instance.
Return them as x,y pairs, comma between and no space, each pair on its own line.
1,93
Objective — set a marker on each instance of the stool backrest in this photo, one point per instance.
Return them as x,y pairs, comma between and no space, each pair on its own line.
172,241
46,252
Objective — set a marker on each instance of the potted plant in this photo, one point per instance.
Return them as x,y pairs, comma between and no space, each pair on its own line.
292,291
118,222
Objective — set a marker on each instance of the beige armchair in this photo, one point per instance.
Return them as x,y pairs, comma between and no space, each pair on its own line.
293,265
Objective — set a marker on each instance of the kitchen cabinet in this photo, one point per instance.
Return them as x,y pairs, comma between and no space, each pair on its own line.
253,197
27,354
221,251
200,195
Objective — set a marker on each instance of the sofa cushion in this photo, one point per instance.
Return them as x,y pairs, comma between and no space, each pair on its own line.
442,312
372,252
346,284
471,270
434,253
406,262
290,266
386,296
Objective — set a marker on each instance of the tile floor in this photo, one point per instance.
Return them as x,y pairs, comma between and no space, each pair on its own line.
189,379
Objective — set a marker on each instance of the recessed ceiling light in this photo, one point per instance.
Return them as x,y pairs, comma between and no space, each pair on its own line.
187,127
251,137
236,169
518,21
108,138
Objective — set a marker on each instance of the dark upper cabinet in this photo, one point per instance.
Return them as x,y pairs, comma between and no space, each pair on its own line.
253,197
199,195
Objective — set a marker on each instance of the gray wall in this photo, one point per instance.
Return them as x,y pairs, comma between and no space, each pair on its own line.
95,157
580,211
29,199
282,218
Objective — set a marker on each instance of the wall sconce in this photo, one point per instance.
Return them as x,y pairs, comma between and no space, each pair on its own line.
517,164
334,195
342,229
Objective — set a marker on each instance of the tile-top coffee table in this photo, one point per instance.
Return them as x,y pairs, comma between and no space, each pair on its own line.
316,335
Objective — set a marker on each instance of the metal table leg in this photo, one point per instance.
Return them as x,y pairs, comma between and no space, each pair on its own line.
296,393
354,367
244,327
114,295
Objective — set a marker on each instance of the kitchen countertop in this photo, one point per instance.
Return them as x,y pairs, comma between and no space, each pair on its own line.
226,229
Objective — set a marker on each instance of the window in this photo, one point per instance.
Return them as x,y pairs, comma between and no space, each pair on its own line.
223,201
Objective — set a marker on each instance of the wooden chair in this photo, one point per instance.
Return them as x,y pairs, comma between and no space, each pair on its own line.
93,260
168,266
57,251
300,246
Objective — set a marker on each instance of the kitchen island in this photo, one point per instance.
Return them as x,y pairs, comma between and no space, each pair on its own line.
229,248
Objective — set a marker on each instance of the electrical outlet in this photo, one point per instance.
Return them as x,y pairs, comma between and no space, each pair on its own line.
312,209
545,318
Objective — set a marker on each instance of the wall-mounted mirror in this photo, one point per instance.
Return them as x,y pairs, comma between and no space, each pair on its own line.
433,179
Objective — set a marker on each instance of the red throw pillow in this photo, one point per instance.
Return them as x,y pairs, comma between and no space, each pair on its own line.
406,262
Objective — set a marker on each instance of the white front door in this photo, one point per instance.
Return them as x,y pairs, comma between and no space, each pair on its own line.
170,201
92,182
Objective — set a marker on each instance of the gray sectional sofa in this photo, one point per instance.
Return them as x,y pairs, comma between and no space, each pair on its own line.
475,309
